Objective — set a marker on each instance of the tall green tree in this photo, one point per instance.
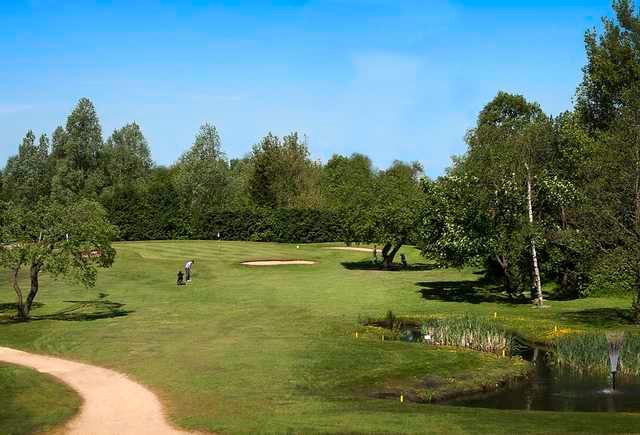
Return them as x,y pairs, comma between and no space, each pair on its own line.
348,187
613,219
27,176
282,174
613,63
202,174
489,205
83,143
78,154
608,102
507,153
126,155
58,140
347,181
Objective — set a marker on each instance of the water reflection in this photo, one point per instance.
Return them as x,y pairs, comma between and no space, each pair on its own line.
553,389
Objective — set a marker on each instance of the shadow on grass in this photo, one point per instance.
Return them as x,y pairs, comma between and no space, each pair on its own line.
97,309
600,317
368,265
12,307
473,292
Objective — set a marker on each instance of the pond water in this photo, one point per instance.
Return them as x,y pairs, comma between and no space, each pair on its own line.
553,389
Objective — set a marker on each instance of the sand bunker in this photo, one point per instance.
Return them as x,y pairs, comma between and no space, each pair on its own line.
350,248
276,262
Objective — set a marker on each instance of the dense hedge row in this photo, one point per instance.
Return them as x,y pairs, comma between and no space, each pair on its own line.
271,225
154,217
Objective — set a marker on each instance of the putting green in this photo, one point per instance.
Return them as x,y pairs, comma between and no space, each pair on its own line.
251,349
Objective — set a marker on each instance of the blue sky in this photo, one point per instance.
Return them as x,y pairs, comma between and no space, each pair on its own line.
394,79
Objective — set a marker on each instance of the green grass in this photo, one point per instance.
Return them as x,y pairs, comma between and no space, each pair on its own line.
247,349
32,402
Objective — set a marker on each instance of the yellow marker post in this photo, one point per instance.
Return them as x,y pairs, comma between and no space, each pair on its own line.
504,353
356,334
555,328
495,315
401,398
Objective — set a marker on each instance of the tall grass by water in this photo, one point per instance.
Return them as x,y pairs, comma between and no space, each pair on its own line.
588,353
471,332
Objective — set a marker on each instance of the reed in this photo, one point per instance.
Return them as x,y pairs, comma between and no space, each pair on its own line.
470,332
589,353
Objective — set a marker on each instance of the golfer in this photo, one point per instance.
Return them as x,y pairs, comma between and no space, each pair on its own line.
187,270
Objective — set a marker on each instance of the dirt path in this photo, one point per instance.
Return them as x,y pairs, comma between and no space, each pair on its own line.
113,404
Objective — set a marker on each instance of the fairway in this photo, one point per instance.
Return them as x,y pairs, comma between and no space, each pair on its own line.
273,349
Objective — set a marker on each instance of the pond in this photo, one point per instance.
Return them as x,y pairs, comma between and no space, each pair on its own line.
554,389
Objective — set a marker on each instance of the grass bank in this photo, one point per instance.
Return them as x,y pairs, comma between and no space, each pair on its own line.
243,350
32,402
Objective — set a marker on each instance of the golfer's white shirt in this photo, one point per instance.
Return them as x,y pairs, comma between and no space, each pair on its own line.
188,264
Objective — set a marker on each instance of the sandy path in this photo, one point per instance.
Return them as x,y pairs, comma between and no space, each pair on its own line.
351,248
113,404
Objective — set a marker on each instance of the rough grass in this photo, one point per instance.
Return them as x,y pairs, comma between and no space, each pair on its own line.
273,349
32,402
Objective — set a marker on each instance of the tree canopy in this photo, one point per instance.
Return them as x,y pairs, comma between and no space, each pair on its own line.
62,240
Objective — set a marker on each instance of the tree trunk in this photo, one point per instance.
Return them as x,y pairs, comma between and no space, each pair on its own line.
388,254
636,201
563,217
508,280
22,311
635,306
564,281
534,256
33,291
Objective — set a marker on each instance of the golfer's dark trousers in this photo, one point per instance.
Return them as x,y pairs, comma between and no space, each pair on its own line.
187,274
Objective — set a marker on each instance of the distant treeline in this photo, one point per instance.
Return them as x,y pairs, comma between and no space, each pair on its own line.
274,193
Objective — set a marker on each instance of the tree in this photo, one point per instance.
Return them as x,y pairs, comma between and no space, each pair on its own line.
83,141
347,186
58,140
127,155
27,175
455,230
398,206
62,240
466,224
490,199
78,151
347,182
202,174
562,201
613,63
508,149
608,102
613,216
282,175
395,212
